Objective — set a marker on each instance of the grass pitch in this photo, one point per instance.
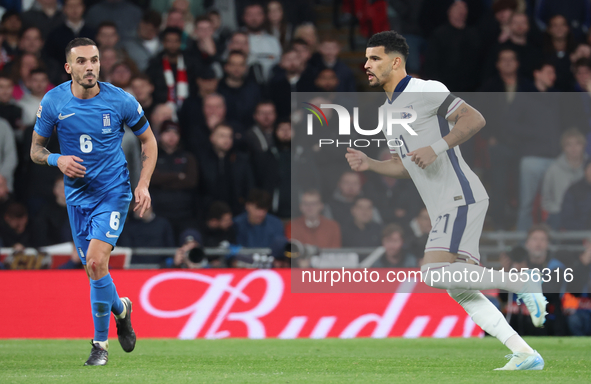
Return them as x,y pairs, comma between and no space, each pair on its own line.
292,361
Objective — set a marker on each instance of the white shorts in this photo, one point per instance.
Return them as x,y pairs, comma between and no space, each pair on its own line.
458,231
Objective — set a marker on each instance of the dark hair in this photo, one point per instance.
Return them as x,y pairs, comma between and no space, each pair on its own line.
261,199
141,76
503,49
109,24
236,52
78,42
24,30
356,200
582,62
6,76
539,227
217,210
175,30
541,64
501,5
152,17
299,41
518,254
8,14
392,41
199,19
16,210
37,71
264,102
213,12
391,229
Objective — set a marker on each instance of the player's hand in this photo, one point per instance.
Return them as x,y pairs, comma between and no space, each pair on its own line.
143,201
358,161
70,167
423,157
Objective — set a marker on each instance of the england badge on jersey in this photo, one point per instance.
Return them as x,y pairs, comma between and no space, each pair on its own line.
106,119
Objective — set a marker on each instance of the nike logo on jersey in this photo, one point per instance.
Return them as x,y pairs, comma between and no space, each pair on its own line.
63,117
108,234
103,315
437,238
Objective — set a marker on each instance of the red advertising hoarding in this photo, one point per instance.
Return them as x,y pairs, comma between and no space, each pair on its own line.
211,303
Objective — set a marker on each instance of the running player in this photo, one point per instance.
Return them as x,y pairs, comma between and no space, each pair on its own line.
454,196
89,118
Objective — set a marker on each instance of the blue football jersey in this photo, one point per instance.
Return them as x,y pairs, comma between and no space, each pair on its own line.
92,129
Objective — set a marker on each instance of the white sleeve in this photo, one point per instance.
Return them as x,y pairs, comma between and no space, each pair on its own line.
436,95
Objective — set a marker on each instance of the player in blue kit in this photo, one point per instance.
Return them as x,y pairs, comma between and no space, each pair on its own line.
89,117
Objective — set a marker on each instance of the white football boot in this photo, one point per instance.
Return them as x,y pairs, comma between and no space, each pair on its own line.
523,361
533,298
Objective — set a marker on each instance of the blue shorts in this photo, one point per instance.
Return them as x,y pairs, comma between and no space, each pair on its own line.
103,221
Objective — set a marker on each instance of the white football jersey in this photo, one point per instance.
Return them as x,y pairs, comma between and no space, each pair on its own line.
448,182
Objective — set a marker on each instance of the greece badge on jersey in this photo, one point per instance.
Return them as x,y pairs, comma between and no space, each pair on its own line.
106,119
39,111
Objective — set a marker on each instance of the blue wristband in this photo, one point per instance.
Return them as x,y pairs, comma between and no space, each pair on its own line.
52,159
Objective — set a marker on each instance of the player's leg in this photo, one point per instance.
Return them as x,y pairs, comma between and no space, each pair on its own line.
106,227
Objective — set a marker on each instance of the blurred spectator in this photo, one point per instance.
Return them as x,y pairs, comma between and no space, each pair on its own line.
204,44
15,229
132,151
536,121
122,73
74,262
528,54
8,108
142,89
433,14
188,8
562,173
259,138
286,80
5,195
312,227
257,227
420,227
453,52
161,113
277,25
191,113
240,93
577,299
559,43
20,71
575,12
219,226
171,71
361,231
239,41
347,192
191,242
12,25
307,33
37,84
575,213
107,35
264,48
407,23
229,12
73,26
272,169
4,58
175,19
221,33
225,174
44,14
326,81
396,200
8,155
123,13
582,51
109,57
328,58
146,45
582,73
174,179
52,225
31,42
149,231
395,254
303,49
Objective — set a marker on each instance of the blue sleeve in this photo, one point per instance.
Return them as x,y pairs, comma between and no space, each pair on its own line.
133,114
45,117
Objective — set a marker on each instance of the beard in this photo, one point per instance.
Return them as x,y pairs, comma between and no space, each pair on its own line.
255,28
83,81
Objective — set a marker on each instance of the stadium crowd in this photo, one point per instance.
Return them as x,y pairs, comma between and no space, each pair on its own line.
214,78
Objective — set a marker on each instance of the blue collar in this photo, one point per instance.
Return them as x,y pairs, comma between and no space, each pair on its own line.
400,87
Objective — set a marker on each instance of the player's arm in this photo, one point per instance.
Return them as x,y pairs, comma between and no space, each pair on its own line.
148,163
67,164
468,121
360,162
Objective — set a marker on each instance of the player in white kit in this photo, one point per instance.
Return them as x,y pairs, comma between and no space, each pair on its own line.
453,195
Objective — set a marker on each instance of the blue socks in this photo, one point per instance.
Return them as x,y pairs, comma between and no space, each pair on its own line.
103,300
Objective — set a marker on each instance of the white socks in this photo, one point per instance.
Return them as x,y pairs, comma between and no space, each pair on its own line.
468,277
489,318
104,344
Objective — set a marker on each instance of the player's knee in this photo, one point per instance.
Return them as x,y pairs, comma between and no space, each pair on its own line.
434,275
